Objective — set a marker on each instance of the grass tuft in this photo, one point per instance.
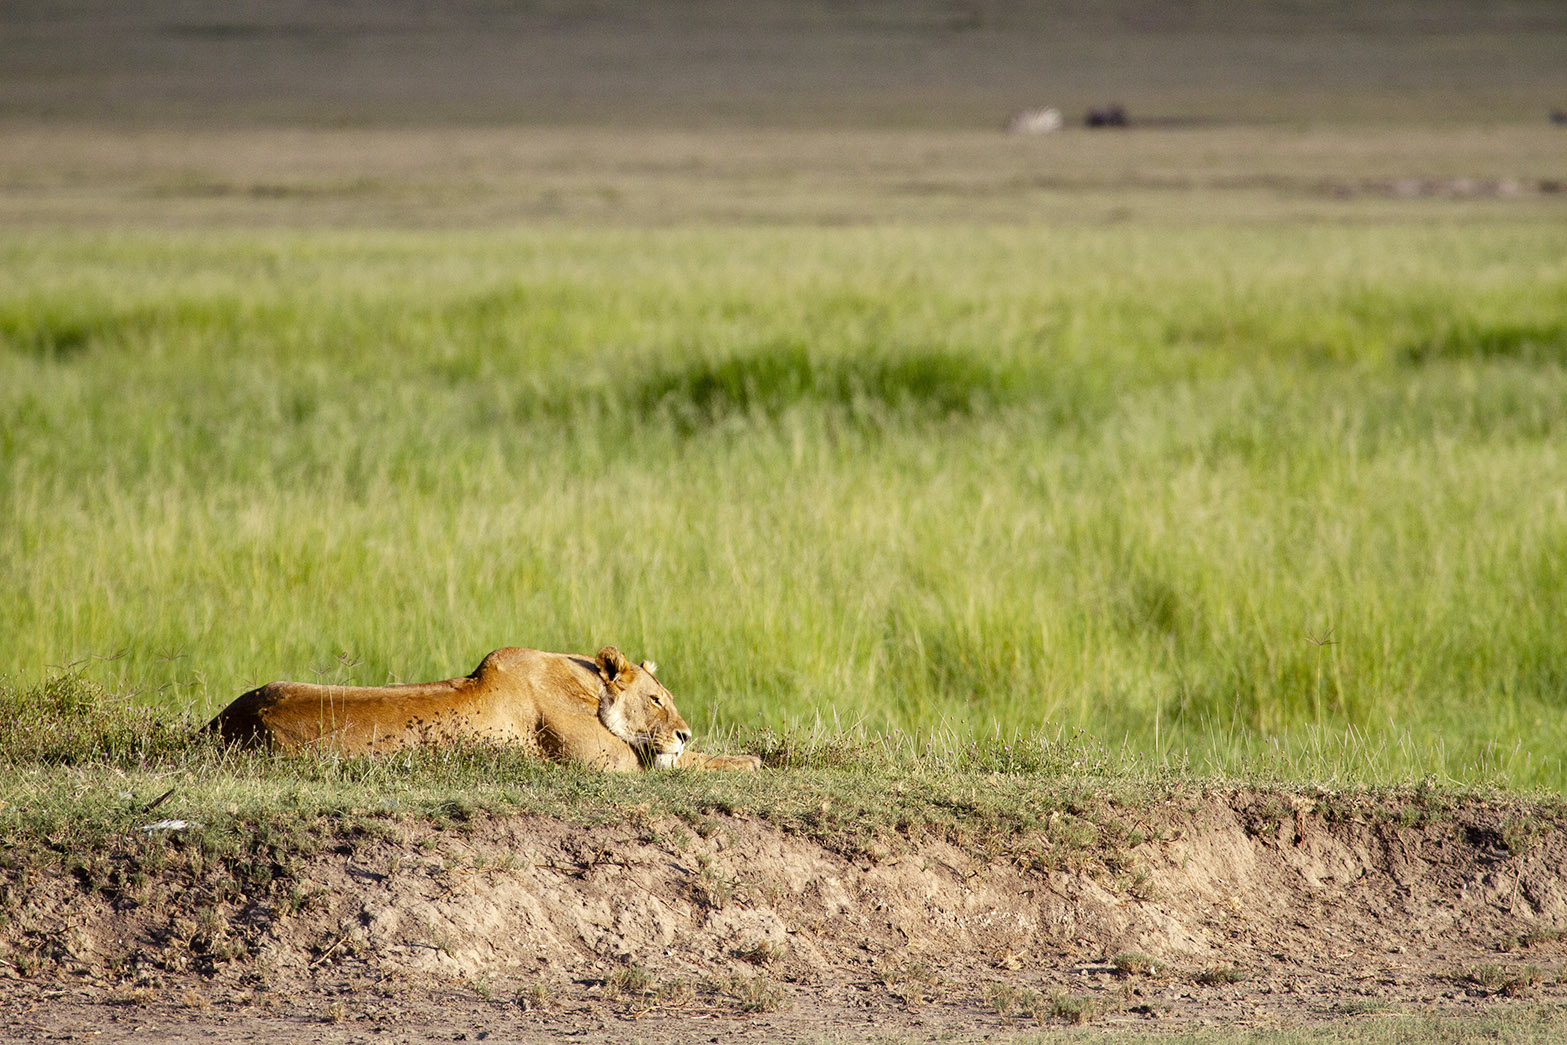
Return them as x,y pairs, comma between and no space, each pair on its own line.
1533,343
69,719
1134,963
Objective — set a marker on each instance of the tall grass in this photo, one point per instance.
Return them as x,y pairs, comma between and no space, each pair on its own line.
1296,494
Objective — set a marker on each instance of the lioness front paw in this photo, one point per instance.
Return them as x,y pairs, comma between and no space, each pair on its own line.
702,760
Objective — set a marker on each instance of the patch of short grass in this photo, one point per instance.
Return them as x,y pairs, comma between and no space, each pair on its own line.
1007,999
1502,979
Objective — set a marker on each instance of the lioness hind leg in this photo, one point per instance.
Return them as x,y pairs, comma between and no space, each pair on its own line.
702,760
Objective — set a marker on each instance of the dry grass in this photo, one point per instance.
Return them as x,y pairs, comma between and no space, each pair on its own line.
473,176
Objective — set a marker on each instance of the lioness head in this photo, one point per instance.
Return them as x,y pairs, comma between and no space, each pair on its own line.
635,707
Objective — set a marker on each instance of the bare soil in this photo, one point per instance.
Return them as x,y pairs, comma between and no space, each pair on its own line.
1237,908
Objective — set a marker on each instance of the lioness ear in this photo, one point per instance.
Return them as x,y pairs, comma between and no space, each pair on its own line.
650,667
612,664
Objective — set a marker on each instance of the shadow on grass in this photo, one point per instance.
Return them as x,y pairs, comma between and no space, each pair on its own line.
930,383
1524,342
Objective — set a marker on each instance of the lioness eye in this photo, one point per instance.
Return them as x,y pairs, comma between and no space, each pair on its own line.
658,702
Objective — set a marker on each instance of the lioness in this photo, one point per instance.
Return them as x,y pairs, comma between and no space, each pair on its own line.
602,711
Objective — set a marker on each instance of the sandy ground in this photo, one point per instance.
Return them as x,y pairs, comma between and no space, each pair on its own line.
1239,909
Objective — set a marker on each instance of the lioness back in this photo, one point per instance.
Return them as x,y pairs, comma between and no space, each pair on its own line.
603,711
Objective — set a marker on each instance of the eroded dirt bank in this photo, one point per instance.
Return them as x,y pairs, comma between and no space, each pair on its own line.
1232,906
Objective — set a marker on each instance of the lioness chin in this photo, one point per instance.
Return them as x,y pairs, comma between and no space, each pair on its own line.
602,711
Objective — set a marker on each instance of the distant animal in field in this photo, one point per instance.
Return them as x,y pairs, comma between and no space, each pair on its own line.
1559,117
599,711
1106,116
1035,121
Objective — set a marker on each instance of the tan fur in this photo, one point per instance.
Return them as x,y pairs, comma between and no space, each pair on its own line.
604,712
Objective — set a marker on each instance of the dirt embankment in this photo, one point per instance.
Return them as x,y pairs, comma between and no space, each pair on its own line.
1247,905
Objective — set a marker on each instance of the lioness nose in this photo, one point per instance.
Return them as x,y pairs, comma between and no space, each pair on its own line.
684,736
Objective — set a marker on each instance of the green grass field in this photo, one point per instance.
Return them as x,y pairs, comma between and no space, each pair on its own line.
1289,492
